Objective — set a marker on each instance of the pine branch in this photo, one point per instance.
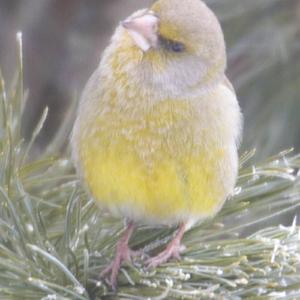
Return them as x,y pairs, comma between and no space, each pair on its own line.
54,241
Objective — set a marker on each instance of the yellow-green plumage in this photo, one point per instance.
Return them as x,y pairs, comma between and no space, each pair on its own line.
150,148
155,172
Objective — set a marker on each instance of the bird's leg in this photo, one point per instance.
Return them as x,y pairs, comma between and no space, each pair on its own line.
123,253
172,250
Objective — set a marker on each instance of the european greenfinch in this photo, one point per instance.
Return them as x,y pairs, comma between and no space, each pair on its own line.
158,125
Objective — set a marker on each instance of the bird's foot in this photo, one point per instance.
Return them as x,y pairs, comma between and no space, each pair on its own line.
123,253
173,250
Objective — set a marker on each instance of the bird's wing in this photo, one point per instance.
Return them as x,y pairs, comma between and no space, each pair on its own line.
228,84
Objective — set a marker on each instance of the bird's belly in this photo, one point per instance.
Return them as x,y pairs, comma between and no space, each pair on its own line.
160,186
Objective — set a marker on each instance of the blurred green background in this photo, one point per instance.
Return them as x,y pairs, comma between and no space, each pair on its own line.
63,41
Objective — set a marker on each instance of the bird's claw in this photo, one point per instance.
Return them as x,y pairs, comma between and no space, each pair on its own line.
172,251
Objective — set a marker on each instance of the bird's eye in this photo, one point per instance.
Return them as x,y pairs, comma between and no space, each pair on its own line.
177,47
171,45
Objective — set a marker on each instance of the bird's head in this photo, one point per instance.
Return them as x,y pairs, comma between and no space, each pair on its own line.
180,43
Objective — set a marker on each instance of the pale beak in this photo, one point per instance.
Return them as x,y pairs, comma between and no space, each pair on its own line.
143,29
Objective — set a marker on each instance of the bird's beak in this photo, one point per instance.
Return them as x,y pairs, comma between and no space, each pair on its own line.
143,29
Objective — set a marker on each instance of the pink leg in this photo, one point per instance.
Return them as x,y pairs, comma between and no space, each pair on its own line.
172,250
123,253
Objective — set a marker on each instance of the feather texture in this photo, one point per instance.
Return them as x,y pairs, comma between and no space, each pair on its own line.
156,135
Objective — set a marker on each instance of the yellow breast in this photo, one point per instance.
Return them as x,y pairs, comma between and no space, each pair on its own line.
147,166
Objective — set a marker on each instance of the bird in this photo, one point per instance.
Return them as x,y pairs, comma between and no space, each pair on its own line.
158,127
